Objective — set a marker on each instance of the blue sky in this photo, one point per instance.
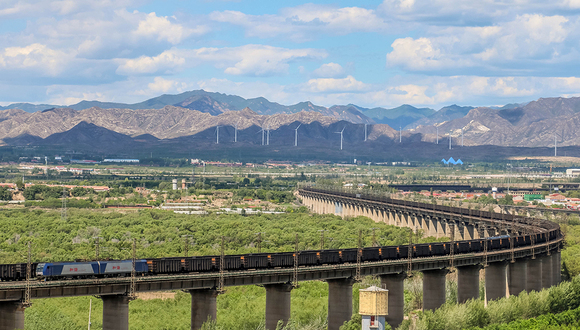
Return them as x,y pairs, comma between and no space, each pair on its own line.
370,53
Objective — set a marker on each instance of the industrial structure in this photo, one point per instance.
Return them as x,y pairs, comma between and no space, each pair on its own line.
374,307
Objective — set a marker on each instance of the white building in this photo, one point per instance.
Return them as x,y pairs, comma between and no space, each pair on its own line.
573,172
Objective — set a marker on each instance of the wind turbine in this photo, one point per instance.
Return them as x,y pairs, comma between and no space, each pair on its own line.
262,130
400,136
555,145
365,132
236,132
450,140
341,136
437,134
268,135
296,135
217,137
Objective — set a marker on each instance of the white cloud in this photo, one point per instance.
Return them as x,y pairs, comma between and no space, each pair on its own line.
162,28
163,63
69,100
34,8
329,70
35,56
348,84
528,36
109,32
415,54
533,38
304,22
161,85
410,94
251,60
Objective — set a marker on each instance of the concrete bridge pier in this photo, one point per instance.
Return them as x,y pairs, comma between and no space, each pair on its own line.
546,271
534,275
433,288
495,280
203,307
518,276
339,302
11,315
467,283
115,312
277,304
556,268
394,283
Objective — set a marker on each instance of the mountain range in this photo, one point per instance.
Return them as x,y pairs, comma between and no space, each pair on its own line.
176,120
536,124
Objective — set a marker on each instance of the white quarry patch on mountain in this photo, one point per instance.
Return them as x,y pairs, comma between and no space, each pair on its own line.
476,127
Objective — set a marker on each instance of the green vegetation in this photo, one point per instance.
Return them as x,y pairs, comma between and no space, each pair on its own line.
267,195
571,254
42,192
569,320
160,233
5,194
55,203
474,314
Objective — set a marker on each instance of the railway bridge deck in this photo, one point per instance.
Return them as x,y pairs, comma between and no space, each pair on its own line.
529,266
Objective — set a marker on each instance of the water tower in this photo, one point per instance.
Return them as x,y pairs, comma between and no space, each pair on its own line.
373,306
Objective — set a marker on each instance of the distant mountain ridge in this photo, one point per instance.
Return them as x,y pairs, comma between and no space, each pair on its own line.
400,116
535,124
405,116
532,124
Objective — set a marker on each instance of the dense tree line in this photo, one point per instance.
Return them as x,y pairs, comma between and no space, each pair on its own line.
267,195
161,233
42,192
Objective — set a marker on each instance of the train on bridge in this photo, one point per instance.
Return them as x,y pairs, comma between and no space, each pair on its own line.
200,264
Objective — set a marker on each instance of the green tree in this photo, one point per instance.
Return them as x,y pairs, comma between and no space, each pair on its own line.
5,194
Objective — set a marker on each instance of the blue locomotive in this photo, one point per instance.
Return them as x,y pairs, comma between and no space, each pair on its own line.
89,268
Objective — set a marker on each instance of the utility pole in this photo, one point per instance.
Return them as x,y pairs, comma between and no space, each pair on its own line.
27,302
410,253
90,309
222,264
359,256
186,244
322,239
97,247
259,242
132,289
295,274
63,210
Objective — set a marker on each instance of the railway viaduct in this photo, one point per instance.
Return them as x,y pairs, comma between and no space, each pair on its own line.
508,271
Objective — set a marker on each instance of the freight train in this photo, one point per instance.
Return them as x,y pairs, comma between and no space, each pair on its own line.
201,264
